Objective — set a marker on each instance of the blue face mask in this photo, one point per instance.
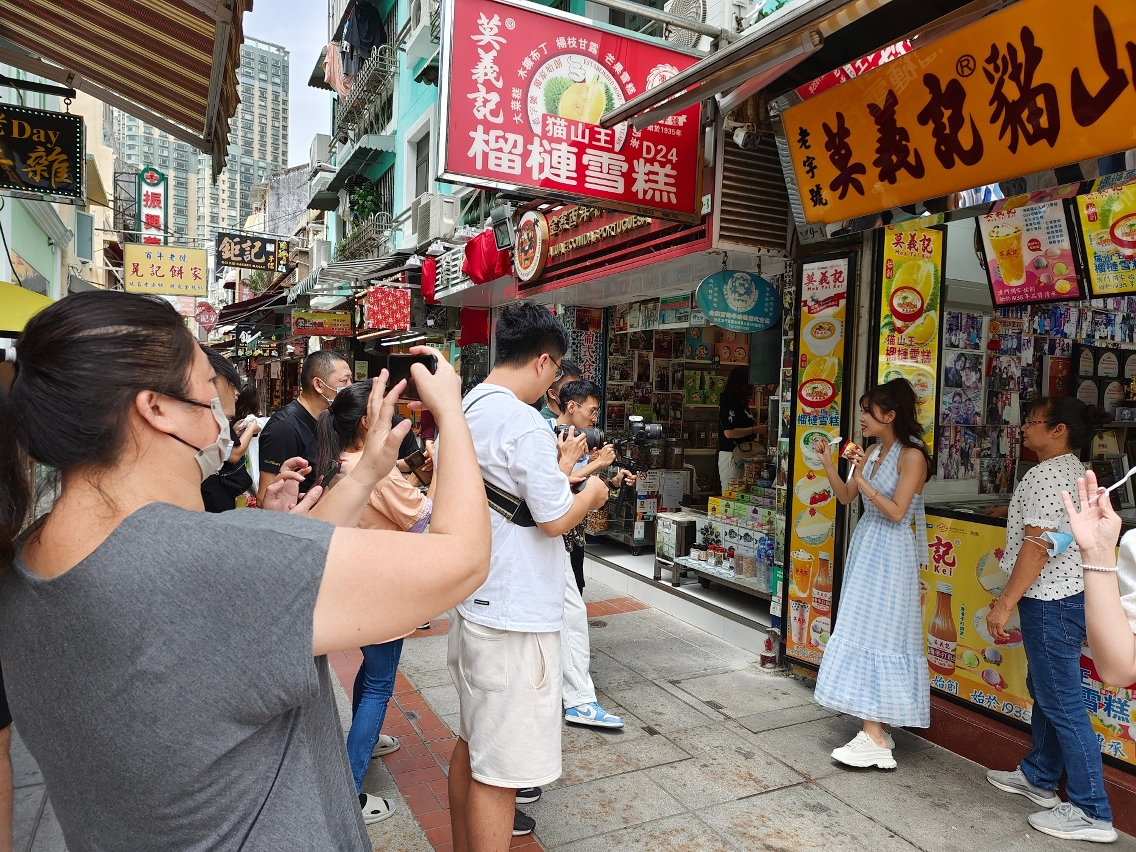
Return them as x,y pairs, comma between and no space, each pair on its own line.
1052,542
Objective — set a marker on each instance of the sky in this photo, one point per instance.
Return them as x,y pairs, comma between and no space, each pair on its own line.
301,27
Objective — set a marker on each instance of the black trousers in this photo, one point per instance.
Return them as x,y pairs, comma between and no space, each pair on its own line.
577,559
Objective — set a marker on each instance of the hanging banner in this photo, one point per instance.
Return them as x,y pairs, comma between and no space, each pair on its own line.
152,203
321,323
251,251
387,307
910,316
163,270
41,152
523,90
207,316
1037,85
1029,255
739,301
1108,225
812,514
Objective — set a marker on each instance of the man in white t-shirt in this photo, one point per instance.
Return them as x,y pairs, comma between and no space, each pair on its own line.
504,641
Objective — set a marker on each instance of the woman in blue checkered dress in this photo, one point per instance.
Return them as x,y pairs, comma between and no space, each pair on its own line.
873,665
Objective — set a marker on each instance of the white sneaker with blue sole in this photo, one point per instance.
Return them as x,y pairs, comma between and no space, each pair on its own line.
593,715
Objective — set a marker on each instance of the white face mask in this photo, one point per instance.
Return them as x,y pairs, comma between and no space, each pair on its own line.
210,458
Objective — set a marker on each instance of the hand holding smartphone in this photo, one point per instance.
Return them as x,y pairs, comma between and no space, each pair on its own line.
398,366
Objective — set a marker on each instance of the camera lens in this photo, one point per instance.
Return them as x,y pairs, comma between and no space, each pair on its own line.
595,437
652,430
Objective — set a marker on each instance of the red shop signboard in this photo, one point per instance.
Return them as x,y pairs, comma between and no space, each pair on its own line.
523,92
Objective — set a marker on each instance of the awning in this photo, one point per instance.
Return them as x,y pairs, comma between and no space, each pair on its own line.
367,151
75,284
171,63
17,306
274,297
96,192
768,50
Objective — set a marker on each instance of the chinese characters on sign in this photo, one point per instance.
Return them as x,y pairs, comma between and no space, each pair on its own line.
321,323
1033,86
152,190
41,152
811,546
526,90
1108,225
1029,255
252,251
739,301
163,270
909,316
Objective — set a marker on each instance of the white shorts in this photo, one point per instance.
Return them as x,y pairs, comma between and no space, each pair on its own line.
509,691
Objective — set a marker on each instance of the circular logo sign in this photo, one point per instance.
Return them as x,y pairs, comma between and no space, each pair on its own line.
531,246
739,301
152,176
574,87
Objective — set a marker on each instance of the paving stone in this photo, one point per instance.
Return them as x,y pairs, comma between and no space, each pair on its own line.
428,679
623,627
1028,840
585,810
723,766
744,692
804,817
443,700
957,808
49,835
27,802
807,747
423,655
399,832
783,718
685,833
661,710
608,673
615,758
25,770
661,656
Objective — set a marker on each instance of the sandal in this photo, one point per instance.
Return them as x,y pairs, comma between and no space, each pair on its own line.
375,808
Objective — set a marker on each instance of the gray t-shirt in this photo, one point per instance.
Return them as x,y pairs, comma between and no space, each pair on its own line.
166,686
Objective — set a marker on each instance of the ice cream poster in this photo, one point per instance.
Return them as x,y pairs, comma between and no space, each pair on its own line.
813,510
1029,255
910,313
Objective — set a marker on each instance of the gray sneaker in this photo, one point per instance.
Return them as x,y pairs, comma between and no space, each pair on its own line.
1015,782
1069,822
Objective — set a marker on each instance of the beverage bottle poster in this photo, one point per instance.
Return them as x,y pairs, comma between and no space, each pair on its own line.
1029,254
819,404
1108,225
910,316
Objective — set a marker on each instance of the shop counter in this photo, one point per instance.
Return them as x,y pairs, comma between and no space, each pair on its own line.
957,588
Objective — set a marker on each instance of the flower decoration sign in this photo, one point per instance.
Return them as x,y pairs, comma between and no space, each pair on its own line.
525,90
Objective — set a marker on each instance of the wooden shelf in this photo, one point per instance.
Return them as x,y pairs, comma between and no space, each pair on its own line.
706,405
699,451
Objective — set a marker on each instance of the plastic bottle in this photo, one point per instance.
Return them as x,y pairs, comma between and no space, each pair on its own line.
942,635
822,586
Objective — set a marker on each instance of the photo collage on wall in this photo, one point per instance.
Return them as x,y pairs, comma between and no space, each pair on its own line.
645,368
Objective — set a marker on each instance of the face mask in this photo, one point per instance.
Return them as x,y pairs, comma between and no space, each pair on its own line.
210,458
333,396
1052,542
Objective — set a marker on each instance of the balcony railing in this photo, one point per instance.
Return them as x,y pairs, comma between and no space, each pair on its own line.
369,237
374,80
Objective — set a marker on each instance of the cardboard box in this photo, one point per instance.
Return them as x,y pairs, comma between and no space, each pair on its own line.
694,397
714,507
712,397
719,382
700,343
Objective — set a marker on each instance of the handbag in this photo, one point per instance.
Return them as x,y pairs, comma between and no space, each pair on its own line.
235,478
747,450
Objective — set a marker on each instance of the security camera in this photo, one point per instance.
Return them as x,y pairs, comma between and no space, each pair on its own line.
747,139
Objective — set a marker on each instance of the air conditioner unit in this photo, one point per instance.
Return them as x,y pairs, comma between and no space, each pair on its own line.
693,9
320,255
435,217
320,151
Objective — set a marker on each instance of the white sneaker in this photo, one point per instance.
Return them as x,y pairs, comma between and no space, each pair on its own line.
385,745
863,752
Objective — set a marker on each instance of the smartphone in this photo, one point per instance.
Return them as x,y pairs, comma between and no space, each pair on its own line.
399,368
330,473
415,460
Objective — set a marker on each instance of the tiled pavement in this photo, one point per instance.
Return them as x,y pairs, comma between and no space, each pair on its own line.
717,756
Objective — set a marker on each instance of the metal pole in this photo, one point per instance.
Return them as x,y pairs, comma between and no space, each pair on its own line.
667,18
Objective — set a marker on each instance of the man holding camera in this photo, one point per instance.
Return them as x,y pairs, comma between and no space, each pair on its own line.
504,640
580,411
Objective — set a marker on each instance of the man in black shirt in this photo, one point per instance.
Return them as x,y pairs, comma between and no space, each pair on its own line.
291,431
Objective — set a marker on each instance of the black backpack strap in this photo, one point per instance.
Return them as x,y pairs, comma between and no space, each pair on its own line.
514,509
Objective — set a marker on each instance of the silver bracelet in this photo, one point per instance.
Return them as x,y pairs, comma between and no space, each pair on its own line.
1111,570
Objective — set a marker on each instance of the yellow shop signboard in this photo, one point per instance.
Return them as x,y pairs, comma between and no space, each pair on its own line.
1037,85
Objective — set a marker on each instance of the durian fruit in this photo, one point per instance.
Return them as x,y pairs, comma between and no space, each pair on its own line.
554,89
584,101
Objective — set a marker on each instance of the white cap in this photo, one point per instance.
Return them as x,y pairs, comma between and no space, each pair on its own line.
944,587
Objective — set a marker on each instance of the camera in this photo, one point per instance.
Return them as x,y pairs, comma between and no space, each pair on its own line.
641,431
632,450
595,436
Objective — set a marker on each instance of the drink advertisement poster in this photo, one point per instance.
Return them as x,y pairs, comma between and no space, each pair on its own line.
911,317
523,90
956,590
1108,224
1029,255
819,414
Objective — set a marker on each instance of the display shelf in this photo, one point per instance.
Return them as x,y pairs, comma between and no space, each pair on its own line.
700,451
708,405
717,575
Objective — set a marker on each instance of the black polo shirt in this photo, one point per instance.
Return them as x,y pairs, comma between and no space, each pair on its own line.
290,432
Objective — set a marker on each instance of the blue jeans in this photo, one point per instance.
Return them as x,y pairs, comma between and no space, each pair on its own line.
374,686
1063,737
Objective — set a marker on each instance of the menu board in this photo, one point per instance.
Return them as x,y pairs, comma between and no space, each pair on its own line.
910,316
964,661
819,408
1029,255
1108,224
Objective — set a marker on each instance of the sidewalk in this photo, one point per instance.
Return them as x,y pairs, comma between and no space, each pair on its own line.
717,756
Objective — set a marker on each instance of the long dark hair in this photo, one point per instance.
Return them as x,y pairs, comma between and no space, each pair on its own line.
248,402
737,386
1081,421
79,365
339,424
898,397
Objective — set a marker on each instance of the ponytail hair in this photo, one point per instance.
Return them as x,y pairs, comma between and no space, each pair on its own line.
79,365
339,424
898,397
1081,421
